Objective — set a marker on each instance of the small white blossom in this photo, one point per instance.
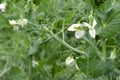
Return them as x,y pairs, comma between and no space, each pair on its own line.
74,27
78,31
71,62
3,7
17,23
14,24
113,54
34,63
92,31
22,22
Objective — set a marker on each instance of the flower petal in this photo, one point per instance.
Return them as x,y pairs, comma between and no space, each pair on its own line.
88,25
22,22
92,33
72,27
3,7
79,33
94,23
77,66
12,22
34,63
70,61
113,54
25,21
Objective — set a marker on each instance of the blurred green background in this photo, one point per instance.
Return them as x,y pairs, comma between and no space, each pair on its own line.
34,43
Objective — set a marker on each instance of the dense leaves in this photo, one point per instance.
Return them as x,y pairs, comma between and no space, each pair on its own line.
38,50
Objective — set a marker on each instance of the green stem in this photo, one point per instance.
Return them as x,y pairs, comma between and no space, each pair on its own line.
6,68
72,75
30,68
88,66
63,42
66,44
104,49
63,30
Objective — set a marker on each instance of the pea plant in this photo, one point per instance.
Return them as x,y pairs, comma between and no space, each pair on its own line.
59,40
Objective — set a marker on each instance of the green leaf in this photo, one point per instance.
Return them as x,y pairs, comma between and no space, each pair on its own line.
33,49
16,74
111,26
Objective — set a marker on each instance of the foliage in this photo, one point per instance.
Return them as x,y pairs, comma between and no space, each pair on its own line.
38,50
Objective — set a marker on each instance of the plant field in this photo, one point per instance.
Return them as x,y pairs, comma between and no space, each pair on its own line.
59,39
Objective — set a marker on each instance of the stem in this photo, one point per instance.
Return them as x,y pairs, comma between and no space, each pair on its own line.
63,31
63,42
4,71
88,66
72,75
5,68
66,44
30,68
104,49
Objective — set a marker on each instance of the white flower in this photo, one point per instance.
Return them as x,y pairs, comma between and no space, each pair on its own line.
3,7
22,22
71,62
78,31
34,63
14,24
92,31
113,54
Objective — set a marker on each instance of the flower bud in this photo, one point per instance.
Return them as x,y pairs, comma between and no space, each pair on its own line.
113,54
70,62
34,63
